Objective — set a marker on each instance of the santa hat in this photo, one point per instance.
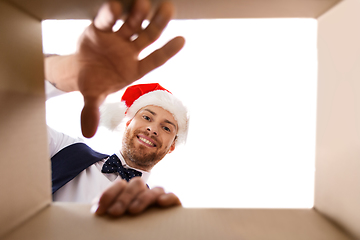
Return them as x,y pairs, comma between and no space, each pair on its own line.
138,96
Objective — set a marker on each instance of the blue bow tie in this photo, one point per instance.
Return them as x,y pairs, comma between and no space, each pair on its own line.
113,164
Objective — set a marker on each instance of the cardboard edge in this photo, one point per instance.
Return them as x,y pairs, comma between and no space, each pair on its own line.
57,221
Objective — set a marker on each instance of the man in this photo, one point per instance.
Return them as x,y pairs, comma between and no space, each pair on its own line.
105,62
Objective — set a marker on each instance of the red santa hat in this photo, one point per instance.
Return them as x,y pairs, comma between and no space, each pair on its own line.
138,96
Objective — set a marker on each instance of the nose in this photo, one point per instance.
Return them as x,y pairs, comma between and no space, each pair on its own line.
152,130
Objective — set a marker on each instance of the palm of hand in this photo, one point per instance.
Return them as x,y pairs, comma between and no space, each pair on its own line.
107,63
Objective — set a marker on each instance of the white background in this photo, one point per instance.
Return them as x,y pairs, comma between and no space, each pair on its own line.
250,86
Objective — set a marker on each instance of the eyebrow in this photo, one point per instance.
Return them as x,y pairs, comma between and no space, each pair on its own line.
153,113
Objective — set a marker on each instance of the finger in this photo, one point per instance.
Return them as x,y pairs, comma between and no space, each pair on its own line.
90,117
160,56
133,23
145,199
109,196
107,15
121,204
157,24
168,199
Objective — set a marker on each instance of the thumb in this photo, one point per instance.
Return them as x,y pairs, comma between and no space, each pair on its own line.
90,117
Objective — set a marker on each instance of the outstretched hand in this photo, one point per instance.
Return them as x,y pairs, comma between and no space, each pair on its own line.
107,61
132,197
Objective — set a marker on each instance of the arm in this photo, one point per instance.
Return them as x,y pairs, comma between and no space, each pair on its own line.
133,197
61,72
107,61
58,141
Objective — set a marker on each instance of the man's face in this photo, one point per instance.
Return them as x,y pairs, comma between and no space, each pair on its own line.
148,137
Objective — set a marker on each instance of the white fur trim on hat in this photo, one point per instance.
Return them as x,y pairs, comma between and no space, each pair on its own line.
111,114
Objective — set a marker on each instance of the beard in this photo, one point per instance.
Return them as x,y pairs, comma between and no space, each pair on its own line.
139,155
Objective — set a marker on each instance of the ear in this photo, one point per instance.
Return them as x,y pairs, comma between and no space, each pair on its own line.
172,147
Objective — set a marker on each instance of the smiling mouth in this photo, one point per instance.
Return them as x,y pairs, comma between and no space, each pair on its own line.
146,141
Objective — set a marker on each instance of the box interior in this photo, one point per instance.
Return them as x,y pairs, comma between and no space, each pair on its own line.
27,207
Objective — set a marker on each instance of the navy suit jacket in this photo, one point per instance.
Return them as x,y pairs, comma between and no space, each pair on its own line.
70,162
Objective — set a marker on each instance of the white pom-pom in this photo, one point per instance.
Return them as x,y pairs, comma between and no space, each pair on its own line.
111,114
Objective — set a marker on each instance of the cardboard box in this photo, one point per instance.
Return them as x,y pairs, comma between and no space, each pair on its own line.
27,211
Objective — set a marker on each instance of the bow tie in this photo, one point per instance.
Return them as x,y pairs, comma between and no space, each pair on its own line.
113,164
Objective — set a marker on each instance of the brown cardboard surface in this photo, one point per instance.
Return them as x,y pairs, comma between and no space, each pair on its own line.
337,190
21,52
24,166
187,9
74,221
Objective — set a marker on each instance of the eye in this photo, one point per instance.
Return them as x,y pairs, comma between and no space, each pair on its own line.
147,118
166,129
